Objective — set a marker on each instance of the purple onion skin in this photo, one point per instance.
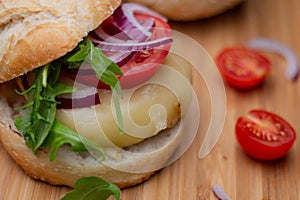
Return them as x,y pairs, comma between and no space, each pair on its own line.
88,101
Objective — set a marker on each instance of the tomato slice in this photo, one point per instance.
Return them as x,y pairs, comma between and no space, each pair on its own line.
143,64
264,135
243,68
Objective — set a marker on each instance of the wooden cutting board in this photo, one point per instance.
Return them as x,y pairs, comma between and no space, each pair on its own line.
226,165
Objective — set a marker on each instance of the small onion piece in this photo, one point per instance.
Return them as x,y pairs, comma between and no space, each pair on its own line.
110,29
80,99
103,36
292,70
130,46
121,58
124,17
219,192
148,23
111,33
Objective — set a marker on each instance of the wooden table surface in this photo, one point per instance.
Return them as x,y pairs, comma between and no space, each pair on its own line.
226,165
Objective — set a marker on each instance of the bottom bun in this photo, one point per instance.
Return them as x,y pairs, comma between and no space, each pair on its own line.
69,166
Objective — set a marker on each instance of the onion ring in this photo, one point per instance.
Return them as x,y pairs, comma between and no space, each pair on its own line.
292,70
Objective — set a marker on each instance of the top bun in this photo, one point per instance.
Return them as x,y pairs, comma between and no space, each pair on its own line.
36,32
187,10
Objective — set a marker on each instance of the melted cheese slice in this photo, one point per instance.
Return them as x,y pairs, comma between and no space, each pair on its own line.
147,109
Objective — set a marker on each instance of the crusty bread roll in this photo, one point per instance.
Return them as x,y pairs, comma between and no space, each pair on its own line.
186,10
34,32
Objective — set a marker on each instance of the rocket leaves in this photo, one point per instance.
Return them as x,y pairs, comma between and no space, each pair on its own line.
92,188
39,125
41,106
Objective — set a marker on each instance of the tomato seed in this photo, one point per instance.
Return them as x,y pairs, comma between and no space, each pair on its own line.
282,133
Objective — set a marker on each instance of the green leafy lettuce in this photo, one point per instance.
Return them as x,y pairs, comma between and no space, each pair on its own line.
92,188
39,125
41,107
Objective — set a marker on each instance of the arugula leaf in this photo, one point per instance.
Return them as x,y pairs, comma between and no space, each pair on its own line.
60,135
41,108
75,58
105,69
39,125
93,188
86,52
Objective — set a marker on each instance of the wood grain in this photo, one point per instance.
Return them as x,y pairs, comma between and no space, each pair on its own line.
240,176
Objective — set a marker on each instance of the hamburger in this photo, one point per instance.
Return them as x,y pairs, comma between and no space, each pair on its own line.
68,111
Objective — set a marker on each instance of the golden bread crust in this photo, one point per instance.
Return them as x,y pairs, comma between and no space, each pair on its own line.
60,171
33,33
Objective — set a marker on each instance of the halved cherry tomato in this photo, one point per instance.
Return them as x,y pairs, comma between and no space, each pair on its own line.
243,68
142,65
264,135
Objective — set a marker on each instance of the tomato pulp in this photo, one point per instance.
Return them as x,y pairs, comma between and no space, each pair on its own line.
243,68
264,135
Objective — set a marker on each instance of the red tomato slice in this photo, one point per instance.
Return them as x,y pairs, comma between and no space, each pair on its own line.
243,68
264,135
143,64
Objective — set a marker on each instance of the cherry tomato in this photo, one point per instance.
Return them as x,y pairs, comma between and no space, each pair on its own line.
264,135
243,68
143,64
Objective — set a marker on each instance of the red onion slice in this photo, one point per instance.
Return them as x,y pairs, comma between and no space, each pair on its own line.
292,70
219,192
124,17
111,33
106,37
110,28
148,23
130,46
106,33
81,99
121,58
